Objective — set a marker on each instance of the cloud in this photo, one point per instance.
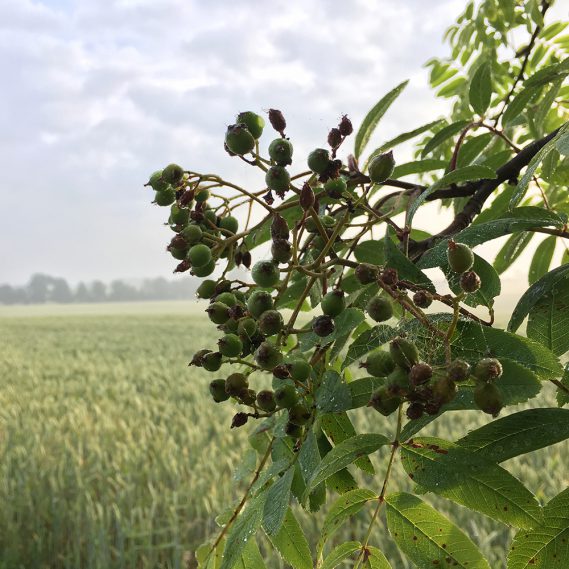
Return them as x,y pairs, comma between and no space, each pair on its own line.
97,95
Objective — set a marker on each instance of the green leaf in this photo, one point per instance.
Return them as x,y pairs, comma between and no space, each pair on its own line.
518,104
342,481
480,92
376,559
443,135
291,295
308,461
427,537
361,390
370,251
207,560
417,167
473,341
406,269
518,434
544,286
402,138
291,543
548,321
340,553
344,508
242,530
541,259
346,453
368,341
546,546
520,219
511,250
464,477
251,557
523,184
472,148
333,394
465,174
373,117
563,394
276,505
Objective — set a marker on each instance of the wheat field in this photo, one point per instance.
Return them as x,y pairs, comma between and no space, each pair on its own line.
112,454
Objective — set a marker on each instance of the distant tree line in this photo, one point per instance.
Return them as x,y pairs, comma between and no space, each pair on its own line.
44,288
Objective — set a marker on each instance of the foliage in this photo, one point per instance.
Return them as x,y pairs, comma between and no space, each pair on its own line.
507,127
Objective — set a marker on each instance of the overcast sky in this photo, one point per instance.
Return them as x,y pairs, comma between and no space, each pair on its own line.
97,94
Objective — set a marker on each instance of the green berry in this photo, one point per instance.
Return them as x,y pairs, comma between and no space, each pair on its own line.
173,174
258,302
488,369
239,140
217,390
268,356
318,160
333,303
488,398
229,223
366,274
444,390
280,151
336,187
230,345
299,414
253,122
156,182
381,167
266,401
458,370
248,397
199,255
178,253
201,195
247,328
460,257
165,197
212,361
271,322
277,179
265,273
205,270
192,233
379,363
404,353
230,327
379,308
235,384
286,396
218,312
300,370
398,380
227,298
384,401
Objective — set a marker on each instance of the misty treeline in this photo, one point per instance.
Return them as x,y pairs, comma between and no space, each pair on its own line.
42,289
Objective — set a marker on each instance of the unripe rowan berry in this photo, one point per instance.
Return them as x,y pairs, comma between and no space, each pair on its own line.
488,398
404,352
470,282
212,361
229,223
227,298
201,195
265,273
423,299
460,257
192,233
280,151
173,174
335,187
300,370
165,197
248,397
217,390
218,312
384,402
205,270
197,359
230,345
444,390
366,274
379,308
281,250
179,254
318,160
277,179
247,327
222,286
458,370
252,121
420,373
271,322
415,411
333,303
379,363
239,140
258,302
299,414
156,182
286,396
398,381
268,356
235,384
488,369
266,400
199,255
323,326
381,167
178,216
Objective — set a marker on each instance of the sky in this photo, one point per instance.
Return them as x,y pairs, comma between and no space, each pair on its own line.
97,94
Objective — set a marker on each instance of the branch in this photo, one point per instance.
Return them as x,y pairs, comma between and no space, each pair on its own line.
484,189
